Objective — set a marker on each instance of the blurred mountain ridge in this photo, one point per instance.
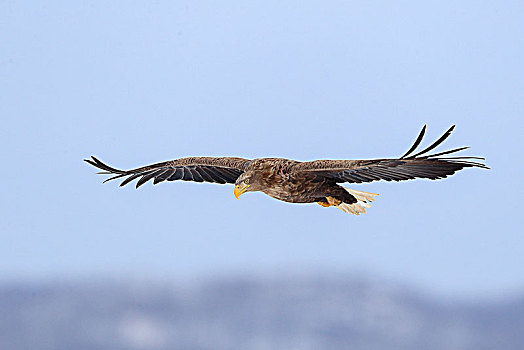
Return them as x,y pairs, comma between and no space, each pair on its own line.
291,312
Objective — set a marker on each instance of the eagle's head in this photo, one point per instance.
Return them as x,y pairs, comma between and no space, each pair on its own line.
248,181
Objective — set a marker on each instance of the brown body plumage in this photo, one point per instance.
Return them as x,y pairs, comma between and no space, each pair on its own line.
281,179
301,182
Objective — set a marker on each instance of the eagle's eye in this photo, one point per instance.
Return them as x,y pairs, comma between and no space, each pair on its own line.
246,181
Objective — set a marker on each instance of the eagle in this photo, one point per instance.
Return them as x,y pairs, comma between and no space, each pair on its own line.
294,181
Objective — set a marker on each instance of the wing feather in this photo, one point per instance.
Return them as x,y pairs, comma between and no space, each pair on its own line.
178,175
204,175
164,176
161,176
214,173
406,167
434,144
148,176
196,175
417,142
199,169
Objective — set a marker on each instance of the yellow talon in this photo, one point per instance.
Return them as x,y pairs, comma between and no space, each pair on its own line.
331,201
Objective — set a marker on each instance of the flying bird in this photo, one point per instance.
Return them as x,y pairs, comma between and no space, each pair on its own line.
302,182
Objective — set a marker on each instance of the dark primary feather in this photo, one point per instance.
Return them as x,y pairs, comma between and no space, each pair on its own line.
417,142
434,144
406,167
220,170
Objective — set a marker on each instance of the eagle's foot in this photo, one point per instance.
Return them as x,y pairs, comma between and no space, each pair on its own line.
333,200
330,201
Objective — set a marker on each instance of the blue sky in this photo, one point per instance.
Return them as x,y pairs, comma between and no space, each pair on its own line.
135,83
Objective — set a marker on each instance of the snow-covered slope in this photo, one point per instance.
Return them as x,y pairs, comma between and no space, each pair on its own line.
285,313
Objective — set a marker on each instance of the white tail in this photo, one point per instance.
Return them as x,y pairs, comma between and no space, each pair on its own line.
363,202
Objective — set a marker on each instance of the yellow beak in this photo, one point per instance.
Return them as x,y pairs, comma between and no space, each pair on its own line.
239,189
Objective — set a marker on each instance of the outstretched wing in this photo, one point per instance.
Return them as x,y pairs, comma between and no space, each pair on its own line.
418,165
209,169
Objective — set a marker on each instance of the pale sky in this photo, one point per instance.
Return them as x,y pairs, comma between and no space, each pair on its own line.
137,83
